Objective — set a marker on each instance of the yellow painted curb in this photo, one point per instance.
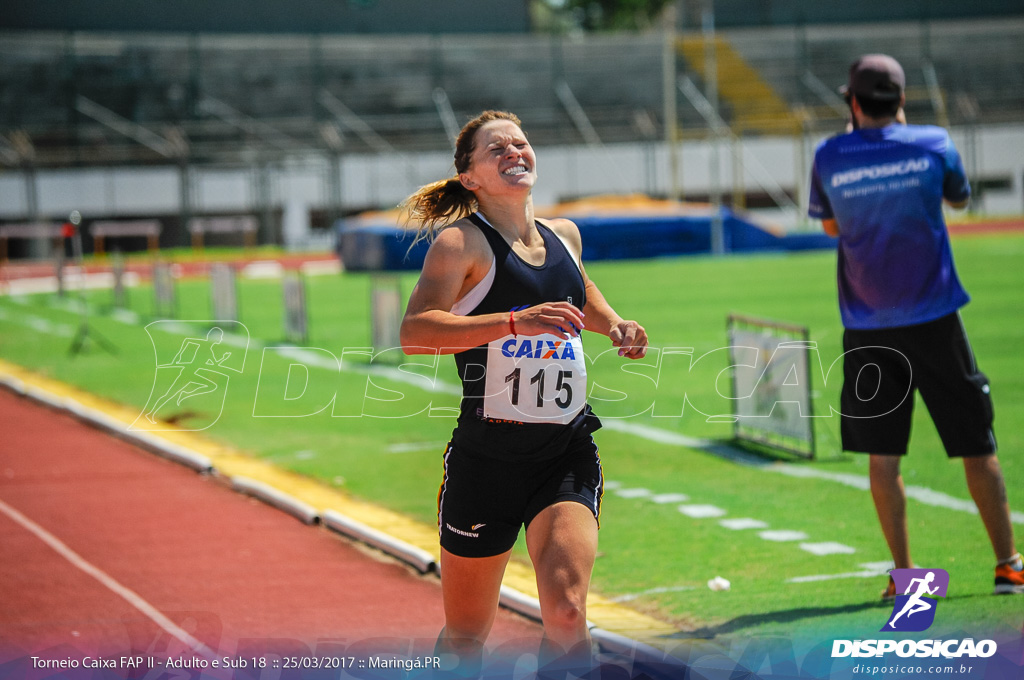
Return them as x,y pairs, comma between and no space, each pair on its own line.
606,614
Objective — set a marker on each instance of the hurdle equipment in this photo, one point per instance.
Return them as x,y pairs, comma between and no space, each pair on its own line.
246,225
223,292
771,384
165,305
105,229
296,319
385,313
85,332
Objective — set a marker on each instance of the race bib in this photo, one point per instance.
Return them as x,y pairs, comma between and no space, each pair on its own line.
535,379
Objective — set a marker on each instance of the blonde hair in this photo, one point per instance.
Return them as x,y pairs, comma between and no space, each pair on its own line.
436,205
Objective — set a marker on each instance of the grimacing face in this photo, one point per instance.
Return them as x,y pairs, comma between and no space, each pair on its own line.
502,160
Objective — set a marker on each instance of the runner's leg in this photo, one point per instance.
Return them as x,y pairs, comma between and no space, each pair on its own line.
562,541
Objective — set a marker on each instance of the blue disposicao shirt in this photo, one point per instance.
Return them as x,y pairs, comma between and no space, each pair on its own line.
885,187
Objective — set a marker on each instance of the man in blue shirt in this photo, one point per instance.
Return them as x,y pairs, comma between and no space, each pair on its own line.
880,189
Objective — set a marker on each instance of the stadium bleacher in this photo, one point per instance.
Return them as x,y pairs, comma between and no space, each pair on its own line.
199,104
226,93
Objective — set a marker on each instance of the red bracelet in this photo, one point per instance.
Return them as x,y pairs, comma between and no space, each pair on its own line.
512,323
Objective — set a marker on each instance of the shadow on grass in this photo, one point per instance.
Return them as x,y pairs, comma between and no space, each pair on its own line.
750,453
785,616
741,623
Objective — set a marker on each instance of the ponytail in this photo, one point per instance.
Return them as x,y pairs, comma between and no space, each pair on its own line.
437,205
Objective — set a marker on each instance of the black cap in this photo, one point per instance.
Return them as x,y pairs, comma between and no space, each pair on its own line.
876,76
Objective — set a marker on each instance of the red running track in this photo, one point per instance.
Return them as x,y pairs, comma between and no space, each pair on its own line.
238,576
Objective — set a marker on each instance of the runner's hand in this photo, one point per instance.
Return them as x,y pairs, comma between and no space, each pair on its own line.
557,318
631,339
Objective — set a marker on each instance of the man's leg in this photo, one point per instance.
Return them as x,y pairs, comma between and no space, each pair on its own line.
985,482
891,506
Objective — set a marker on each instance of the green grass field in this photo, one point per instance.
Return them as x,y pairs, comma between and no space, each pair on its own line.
652,555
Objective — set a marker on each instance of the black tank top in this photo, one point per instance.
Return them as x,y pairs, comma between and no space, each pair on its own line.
517,285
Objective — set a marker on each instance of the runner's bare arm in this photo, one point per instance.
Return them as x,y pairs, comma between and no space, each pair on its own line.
455,262
831,227
629,336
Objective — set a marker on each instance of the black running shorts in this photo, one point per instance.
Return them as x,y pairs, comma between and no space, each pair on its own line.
881,370
483,502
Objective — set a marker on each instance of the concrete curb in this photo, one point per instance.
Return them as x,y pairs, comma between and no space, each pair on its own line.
420,559
513,599
305,513
620,644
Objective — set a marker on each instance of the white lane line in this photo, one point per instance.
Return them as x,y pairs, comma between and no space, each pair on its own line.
704,511
919,493
648,432
129,596
629,597
633,493
663,498
828,548
655,434
743,523
868,570
40,324
701,511
783,535
397,373
126,316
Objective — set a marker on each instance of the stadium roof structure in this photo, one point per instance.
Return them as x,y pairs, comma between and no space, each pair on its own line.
269,16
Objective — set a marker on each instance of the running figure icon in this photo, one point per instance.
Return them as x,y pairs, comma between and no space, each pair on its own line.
916,603
193,379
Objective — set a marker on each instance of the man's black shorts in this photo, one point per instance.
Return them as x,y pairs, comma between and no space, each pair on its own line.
484,501
881,370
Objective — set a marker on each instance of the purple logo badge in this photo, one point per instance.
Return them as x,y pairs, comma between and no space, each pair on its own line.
916,593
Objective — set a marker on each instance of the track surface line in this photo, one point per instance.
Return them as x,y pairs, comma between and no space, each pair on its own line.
111,583
222,569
